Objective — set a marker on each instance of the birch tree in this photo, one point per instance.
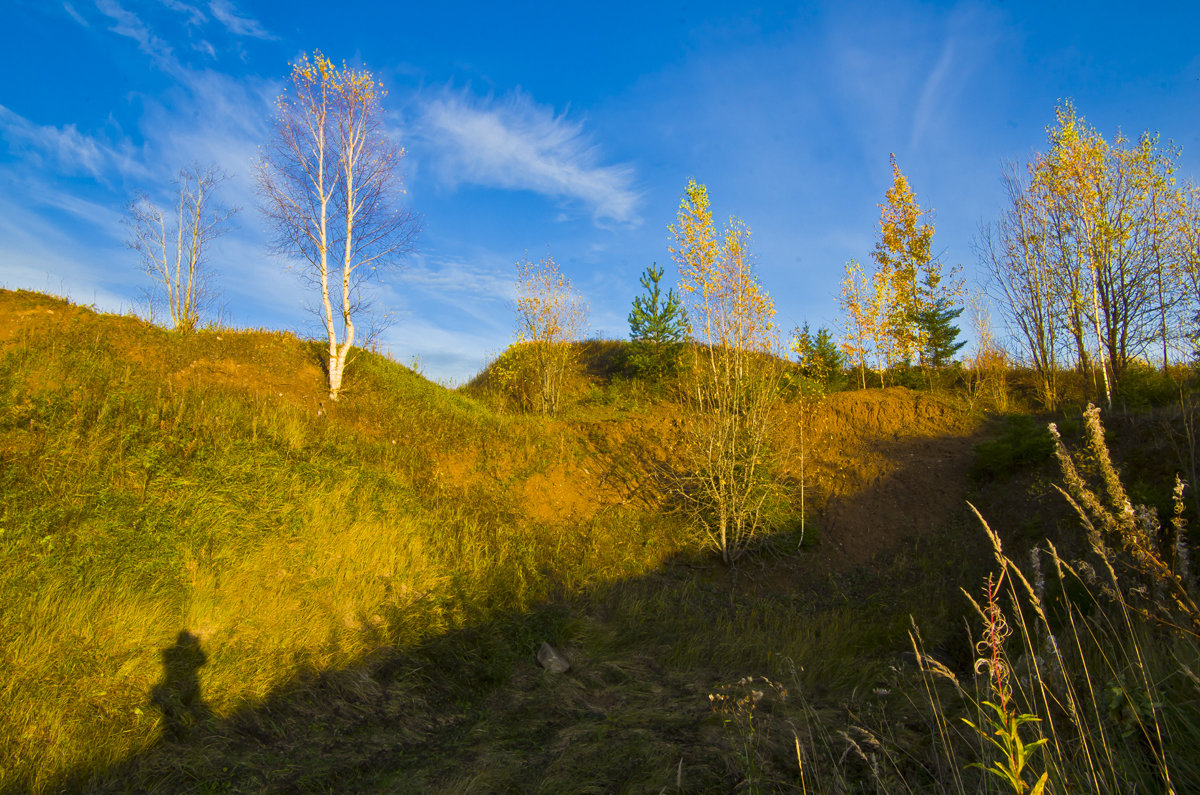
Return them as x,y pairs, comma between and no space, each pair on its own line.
1093,251
330,185
1013,249
173,244
551,315
861,320
734,386
1187,250
915,297
1070,182
902,250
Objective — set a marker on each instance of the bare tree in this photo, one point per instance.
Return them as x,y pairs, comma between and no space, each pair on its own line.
173,245
330,185
1014,250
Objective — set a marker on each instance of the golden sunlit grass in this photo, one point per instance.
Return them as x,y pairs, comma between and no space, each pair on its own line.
211,574
286,535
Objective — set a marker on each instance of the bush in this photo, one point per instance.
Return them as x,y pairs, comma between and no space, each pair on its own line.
1143,386
1023,442
509,381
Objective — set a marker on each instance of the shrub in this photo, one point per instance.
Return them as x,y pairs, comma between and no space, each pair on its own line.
1023,443
1143,386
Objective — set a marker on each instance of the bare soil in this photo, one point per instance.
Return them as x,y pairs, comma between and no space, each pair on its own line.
889,464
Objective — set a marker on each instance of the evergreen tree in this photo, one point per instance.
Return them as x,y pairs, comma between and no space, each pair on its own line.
818,357
830,357
939,334
820,364
657,327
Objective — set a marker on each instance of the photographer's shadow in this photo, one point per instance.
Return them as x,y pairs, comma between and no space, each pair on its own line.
178,695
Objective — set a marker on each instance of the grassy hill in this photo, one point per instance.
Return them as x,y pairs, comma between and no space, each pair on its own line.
215,579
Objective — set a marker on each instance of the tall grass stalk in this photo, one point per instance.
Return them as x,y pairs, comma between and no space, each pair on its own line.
1102,662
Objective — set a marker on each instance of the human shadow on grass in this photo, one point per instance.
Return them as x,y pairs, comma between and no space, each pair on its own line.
178,696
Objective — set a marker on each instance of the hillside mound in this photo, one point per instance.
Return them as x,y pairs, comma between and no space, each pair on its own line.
194,501
259,363
880,464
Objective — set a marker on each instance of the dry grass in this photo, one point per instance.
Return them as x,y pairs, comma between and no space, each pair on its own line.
285,535
211,575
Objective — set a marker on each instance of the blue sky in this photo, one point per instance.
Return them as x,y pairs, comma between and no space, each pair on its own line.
538,126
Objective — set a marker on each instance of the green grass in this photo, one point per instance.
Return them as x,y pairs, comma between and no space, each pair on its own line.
1022,443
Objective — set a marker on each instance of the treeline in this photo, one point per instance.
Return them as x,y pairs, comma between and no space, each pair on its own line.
1093,268
1095,263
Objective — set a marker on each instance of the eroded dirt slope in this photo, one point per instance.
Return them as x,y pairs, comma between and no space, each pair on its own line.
888,464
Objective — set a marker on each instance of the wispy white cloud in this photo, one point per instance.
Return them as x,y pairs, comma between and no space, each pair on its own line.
80,210
63,192
194,15
214,119
36,255
227,14
224,15
69,150
75,15
446,277
933,93
476,296
450,313
131,25
903,82
517,144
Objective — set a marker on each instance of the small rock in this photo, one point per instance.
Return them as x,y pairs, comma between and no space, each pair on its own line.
551,660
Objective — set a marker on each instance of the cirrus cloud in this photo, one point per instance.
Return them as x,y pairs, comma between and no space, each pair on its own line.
517,144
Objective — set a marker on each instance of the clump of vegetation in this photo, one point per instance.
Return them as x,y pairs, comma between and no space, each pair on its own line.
730,476
1108,652
510,381
551,315
1083,676
904,312
1143,386
1023,442
819,360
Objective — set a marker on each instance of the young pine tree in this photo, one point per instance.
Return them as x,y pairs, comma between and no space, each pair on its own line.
818,357
657,327
939,334
820,364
